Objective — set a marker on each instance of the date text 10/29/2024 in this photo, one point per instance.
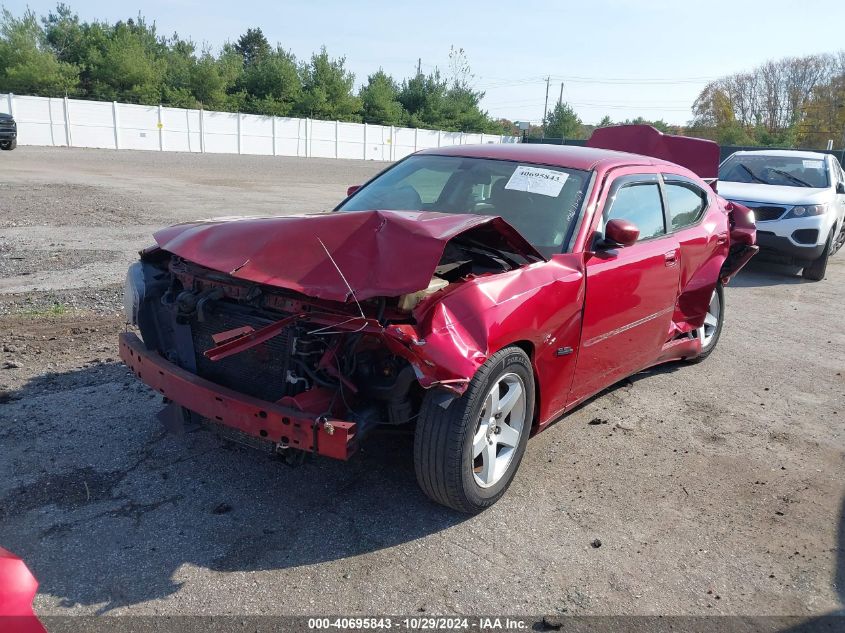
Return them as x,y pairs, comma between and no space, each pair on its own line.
419,623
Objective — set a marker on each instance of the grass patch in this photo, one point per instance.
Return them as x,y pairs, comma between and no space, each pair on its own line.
56,309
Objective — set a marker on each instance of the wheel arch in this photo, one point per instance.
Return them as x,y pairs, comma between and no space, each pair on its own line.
529,348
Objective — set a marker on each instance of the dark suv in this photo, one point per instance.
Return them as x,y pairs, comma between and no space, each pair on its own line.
8,132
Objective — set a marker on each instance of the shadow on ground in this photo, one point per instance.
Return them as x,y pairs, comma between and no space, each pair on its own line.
105,507
760,272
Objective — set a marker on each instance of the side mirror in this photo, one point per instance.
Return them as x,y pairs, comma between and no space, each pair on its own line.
840,187
618,233
352,189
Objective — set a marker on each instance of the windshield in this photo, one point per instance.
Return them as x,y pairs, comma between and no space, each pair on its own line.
786,171
542,203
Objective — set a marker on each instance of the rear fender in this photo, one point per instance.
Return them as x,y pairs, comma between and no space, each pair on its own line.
743,238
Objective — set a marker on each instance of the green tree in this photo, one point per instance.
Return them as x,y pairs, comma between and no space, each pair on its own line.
423,97
65,35
606,121
27,65
253,46
207,81
179,62
273,83
327,89
462,109
380,100
128,65
563,122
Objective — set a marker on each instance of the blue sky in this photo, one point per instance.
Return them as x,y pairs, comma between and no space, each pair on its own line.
623,58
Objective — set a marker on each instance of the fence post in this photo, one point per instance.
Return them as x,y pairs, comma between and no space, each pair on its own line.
188,126
202,130
11,98
309,131
439,135
365,141
239,132
68,136
461,139
116,124
416,137
160,130
337,139
392,142
273,129
50,117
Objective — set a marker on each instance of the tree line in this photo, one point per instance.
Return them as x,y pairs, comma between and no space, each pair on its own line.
562,122
128,61
795,101
790,102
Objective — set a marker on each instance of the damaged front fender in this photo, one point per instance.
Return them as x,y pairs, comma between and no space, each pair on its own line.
537,307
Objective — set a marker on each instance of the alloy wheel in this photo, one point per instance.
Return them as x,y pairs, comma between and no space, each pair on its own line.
501,423
711,322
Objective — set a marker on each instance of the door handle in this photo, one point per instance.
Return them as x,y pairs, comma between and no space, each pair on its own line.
671,257
722,238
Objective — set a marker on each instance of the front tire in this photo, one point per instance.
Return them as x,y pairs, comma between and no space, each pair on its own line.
466,455
817,269
8,145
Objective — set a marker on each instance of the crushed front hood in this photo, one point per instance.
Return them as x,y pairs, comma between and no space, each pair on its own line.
377,253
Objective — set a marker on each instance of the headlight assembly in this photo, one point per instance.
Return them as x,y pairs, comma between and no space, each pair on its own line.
806,211
133,292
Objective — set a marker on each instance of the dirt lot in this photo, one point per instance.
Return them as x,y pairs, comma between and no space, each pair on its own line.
714,488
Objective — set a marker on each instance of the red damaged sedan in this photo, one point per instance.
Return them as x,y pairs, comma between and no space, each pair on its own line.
476,292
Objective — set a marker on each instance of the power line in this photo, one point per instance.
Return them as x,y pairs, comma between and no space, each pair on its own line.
495,83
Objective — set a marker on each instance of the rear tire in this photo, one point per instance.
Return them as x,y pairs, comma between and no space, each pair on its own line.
466,455
711,330
817,269
8,145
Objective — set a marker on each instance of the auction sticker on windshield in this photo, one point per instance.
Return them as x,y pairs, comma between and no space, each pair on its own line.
546,182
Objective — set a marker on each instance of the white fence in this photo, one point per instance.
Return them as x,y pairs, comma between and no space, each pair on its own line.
112,125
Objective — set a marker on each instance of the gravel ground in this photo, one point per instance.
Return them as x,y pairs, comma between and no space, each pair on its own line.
712,489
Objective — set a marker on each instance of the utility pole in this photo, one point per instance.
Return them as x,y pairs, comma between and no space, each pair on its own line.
560,103
419,66
546,107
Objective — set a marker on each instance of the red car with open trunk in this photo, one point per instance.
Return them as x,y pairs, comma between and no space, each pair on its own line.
477,292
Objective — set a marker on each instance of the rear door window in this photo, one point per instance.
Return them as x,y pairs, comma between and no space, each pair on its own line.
686,203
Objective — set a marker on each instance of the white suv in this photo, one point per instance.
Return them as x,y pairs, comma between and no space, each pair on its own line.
798,200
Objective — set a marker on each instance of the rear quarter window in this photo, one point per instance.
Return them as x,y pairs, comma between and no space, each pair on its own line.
686,203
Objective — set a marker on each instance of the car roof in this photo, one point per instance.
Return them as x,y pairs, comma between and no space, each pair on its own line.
571,156
783,152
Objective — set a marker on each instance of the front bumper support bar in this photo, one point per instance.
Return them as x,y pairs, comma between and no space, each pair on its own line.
286,426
